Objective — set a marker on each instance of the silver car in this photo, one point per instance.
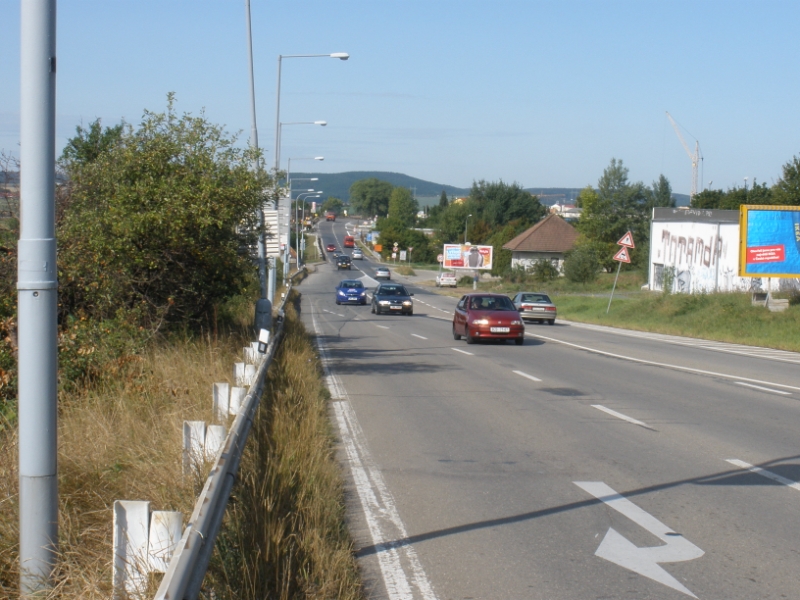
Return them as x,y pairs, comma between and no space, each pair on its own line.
535,306
357,254
382,273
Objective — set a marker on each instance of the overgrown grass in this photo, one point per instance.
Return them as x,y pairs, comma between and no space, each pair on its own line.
284,535
120,440
724,317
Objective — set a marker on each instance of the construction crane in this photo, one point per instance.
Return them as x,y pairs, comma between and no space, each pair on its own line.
695,158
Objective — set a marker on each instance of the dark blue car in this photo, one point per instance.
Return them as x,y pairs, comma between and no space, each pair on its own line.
351,290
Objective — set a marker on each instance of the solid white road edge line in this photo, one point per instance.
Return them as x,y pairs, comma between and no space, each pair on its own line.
764,389
382,326
764,473
463,351
659,364
419,336
614,413
402,572
531,377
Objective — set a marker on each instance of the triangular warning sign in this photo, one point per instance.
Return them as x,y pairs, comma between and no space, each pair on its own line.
622,255
627,240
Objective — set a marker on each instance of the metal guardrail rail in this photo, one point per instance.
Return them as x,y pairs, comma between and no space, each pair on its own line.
189,562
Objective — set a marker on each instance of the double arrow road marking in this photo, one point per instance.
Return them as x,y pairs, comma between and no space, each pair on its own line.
644,561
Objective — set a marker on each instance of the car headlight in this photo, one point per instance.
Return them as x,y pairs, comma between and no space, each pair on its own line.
406,302
383,302
480,322
516,322
341,293
362,293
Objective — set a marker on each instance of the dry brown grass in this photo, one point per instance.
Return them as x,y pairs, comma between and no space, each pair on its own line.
284,536
120,441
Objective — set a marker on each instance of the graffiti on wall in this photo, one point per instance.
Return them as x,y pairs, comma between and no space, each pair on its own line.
692,257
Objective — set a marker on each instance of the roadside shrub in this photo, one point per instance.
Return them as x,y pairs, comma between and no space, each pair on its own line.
544,270
581,265
465,280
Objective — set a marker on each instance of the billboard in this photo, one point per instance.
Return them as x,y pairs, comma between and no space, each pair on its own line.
769,241
465,256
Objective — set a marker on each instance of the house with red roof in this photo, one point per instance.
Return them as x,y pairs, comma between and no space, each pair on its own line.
550,239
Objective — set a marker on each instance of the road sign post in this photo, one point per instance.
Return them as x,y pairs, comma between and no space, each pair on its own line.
622,256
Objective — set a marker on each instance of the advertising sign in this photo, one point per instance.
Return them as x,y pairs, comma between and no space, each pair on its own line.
769,241
464,256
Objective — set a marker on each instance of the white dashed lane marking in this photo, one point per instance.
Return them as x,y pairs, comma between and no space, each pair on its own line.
764,473
525,375
462,351
619,415
419,336
763,389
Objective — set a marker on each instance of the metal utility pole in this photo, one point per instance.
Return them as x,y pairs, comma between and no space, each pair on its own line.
37,296
262,245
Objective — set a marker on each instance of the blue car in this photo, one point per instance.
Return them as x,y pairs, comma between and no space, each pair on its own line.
351,290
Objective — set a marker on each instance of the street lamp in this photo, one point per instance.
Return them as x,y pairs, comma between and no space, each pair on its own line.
280,127
298,236
289,209
466,223
340,56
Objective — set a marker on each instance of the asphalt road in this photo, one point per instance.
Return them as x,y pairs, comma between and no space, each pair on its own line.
587,463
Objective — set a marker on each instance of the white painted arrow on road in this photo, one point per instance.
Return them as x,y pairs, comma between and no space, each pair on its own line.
644,561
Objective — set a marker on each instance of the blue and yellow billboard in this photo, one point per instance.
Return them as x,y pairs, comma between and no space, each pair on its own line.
769,241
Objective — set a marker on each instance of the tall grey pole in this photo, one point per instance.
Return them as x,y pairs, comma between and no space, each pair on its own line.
37,289
277,165
262,246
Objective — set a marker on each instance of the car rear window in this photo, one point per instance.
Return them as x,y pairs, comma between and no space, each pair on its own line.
540,298
351,284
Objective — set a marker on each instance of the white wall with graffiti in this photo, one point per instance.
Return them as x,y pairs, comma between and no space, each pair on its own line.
702,255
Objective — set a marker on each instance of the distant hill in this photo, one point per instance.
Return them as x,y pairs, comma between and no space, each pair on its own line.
338,184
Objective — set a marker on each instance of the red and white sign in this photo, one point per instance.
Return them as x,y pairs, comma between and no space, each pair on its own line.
622,255
627,241
440,258
765,254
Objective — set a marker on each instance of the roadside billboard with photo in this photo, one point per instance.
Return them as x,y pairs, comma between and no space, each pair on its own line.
465,256
769,241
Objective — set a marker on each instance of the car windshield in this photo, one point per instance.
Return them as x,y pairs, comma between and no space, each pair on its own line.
392,290
491,303
351,284
538,298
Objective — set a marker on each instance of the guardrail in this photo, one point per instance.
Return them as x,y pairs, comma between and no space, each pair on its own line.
187,568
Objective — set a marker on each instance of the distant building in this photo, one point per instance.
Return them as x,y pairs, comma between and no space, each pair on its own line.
550,239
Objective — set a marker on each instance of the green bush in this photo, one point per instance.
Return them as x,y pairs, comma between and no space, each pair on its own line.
581,265
544,270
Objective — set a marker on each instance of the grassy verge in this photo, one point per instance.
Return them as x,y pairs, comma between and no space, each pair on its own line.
405,270
723,317
284,535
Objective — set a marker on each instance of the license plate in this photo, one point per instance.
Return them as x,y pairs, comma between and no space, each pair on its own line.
396,307
499,329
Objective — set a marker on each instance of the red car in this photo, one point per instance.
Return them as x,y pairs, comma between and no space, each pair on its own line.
330,248
482,316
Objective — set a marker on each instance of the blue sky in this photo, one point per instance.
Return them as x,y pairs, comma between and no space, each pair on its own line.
541,93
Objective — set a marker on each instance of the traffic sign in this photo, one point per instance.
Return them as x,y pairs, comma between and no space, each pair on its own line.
622,256
440,258
627,241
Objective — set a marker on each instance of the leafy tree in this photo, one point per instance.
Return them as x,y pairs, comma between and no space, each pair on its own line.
89,144
403,206
452,221
501,259
443,200
660,195
617,206
371,196
498,203
734,197
787,190
332,204
157,221
544,270
393,230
